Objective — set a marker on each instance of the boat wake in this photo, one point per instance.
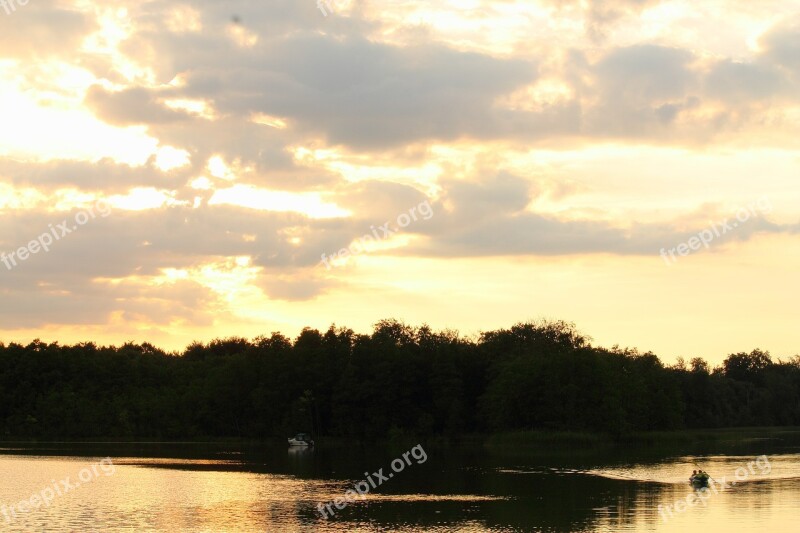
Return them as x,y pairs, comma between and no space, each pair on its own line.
677,471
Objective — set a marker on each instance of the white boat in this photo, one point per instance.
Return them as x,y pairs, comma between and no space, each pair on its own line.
301,439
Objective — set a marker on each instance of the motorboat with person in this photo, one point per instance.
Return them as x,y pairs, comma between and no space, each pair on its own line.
301,439
699,479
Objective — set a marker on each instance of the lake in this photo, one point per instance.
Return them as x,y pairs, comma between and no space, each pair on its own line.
191,487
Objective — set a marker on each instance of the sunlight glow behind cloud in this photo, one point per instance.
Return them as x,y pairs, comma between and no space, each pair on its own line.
309,204
560,144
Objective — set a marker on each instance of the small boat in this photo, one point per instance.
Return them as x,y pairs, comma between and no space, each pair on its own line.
301,439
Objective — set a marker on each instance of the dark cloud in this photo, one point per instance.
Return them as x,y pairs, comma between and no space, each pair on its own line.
296,286
487,218
490,218
502,193
349,90
643,74
379,200
638,91
135,245
782,45
746,83
600,15
131,107
104,176
42,30
533,234
264,148
338,87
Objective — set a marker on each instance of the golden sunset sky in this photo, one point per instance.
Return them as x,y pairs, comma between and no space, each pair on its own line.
560,146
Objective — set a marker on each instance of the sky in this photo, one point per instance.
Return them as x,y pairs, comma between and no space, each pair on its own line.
179,171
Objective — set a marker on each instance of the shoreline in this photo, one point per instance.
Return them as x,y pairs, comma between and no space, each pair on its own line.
577,439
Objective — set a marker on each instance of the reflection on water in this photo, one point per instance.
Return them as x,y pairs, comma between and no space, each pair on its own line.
191,488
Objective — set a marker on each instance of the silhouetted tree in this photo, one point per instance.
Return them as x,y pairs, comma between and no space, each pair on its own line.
398,380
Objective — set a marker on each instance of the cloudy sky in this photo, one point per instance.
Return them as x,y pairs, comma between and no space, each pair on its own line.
547,159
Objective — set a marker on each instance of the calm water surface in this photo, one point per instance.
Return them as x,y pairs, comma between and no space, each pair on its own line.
214,489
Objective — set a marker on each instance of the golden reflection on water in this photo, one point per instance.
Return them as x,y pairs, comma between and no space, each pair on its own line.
143,495
201,495
763,499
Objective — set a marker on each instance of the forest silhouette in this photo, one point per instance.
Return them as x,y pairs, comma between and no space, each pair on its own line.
399,380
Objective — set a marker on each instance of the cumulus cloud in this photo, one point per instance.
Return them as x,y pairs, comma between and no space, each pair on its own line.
131,107
782,44
337,89
105,175
491,218
600,15
29,32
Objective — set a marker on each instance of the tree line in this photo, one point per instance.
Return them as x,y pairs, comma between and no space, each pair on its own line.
399,380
